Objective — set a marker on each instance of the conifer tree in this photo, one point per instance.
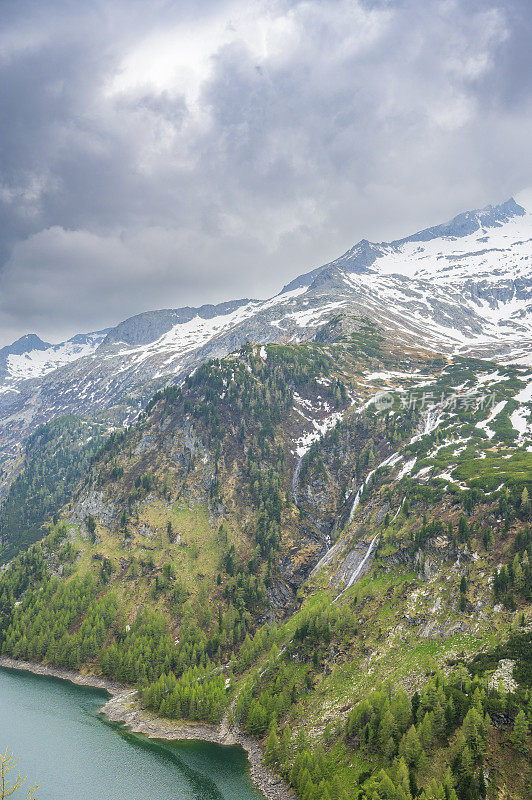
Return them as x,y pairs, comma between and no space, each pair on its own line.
271,748
520,733
411,747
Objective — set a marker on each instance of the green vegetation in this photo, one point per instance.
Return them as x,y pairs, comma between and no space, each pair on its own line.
43,626
56,457
195,695
450,716
516,576
186,569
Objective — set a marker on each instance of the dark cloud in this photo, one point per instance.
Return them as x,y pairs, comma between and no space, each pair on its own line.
162,153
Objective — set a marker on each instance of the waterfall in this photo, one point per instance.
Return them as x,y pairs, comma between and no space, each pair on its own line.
358,569
390,461
295,478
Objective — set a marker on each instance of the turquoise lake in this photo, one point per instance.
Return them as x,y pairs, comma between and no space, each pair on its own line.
74,754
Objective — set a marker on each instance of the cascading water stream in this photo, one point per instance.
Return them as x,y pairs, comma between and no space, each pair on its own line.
295,478
390,461
358,569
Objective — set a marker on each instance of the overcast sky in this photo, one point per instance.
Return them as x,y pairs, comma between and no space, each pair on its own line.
157,154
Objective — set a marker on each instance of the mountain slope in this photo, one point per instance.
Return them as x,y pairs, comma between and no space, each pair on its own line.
463,287
288,530
55,458
465,284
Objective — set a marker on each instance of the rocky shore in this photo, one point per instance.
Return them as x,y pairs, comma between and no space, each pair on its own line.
78,678
124,708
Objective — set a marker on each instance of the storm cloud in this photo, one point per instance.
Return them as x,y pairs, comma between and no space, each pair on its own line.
158,154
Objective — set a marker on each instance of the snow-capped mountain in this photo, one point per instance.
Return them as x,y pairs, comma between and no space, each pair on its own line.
30,357
464,286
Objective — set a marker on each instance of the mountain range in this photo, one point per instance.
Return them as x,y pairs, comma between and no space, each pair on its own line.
304,520
461,287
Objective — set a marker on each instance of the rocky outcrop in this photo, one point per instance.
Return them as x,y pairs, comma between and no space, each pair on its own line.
93,502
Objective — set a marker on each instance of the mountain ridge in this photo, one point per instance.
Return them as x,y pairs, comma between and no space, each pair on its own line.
361,256
468,294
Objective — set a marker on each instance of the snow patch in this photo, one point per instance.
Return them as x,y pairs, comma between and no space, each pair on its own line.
304,443
485,423
407,469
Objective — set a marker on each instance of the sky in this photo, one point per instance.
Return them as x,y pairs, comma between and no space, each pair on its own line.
160,154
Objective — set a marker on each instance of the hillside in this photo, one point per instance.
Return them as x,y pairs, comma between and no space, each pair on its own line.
44,477
325,542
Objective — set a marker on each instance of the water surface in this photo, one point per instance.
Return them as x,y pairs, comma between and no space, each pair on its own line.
74,754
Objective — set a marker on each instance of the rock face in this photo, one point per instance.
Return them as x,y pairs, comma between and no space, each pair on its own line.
26,344
463,286
150,326
504,675
93,502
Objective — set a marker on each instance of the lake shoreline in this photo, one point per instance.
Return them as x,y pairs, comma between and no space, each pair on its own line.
124,708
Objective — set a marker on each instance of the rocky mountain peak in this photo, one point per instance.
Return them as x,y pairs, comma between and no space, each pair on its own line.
468,222
25,344
149,326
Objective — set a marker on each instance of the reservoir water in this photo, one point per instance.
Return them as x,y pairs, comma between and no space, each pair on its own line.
74,754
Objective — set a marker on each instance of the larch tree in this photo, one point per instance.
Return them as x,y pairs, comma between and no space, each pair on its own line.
9,786
520,733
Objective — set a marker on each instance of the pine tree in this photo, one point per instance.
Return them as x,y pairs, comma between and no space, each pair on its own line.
448,784
439,721
434,791
304,782
519,734
411,747
482,788
473,729
384,787
386,727
401,708
323,791
402,777
525,503
465,767
425,732
271,748
390,748
284,744
463,529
